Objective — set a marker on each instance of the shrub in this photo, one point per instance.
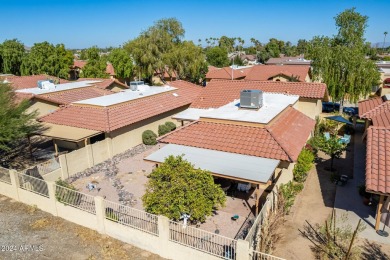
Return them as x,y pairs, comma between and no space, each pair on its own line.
289,191
170,125
303,165
149,137
163,129
69,195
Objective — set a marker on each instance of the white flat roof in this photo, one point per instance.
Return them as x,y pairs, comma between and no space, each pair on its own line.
273,104
124,96
59,87
240,166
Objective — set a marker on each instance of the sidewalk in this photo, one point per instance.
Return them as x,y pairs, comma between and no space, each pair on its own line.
349,201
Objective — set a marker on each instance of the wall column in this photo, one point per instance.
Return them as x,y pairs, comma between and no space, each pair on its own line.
163,234
257,192
378,212
100,214
109,146
15,183
243,249
51,187
88,149
64,166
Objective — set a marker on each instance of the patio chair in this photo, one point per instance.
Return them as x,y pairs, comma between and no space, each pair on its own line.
345,139
327,135
235,217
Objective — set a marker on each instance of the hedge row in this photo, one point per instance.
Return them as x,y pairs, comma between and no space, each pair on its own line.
149,137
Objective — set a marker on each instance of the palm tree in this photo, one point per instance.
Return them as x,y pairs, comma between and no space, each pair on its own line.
384,41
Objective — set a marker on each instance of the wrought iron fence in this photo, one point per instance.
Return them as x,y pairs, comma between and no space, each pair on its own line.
75,199
48,166
131,217
256,255
252,236
33,184
205,241
4,175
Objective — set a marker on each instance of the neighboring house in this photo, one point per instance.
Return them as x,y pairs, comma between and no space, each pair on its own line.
258,146
162,78
23,82
378,169
384,87
249,59
227,73
375,111
298,60
120,118
221,92
78,66
279,73
45,101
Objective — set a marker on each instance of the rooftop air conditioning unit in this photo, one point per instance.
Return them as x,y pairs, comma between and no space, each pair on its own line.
46,84
386,97
251,99
134,85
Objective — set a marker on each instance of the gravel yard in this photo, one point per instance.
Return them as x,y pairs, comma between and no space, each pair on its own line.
29,233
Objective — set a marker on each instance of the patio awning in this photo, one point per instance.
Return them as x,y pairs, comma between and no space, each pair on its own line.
229,165
67,133
339,119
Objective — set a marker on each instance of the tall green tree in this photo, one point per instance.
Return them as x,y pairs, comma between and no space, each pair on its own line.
45,58
15,121
12,53
176,187
227,43
151,49
302,46
340,61
96,65
217,57
122,63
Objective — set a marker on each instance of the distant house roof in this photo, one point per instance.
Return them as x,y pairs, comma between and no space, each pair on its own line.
81,63
298,60
22,82
266,72
226,73
249,57
109,118
105,83
283,139
221,92
378,160
72,95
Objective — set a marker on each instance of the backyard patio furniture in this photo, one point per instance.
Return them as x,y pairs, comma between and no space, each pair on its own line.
235,217
342,180
345,139
327,135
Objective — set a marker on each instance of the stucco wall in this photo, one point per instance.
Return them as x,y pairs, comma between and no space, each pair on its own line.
100,152
42,107
69,145
286,174
310,107
130,136
52,176
77,161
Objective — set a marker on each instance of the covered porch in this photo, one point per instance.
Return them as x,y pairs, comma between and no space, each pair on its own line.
67,138
242,176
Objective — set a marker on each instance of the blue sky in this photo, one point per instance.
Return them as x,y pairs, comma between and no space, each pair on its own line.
83,23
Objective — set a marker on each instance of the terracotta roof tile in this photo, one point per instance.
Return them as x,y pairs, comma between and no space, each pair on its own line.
105,83
265,72
110,69
226,73
22,82
221,92
283,140
378,160
368,104
73,95
114,117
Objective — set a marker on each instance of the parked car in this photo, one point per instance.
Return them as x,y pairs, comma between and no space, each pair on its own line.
351,111
328,107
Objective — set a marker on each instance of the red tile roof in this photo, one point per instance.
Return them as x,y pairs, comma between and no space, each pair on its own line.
378,160
114,117
110,69
79,63
382,119
221,92
368,105
105,83
282,140
226,73
73,95
22,82
266,72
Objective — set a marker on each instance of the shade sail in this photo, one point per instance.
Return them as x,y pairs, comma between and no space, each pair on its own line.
339,119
